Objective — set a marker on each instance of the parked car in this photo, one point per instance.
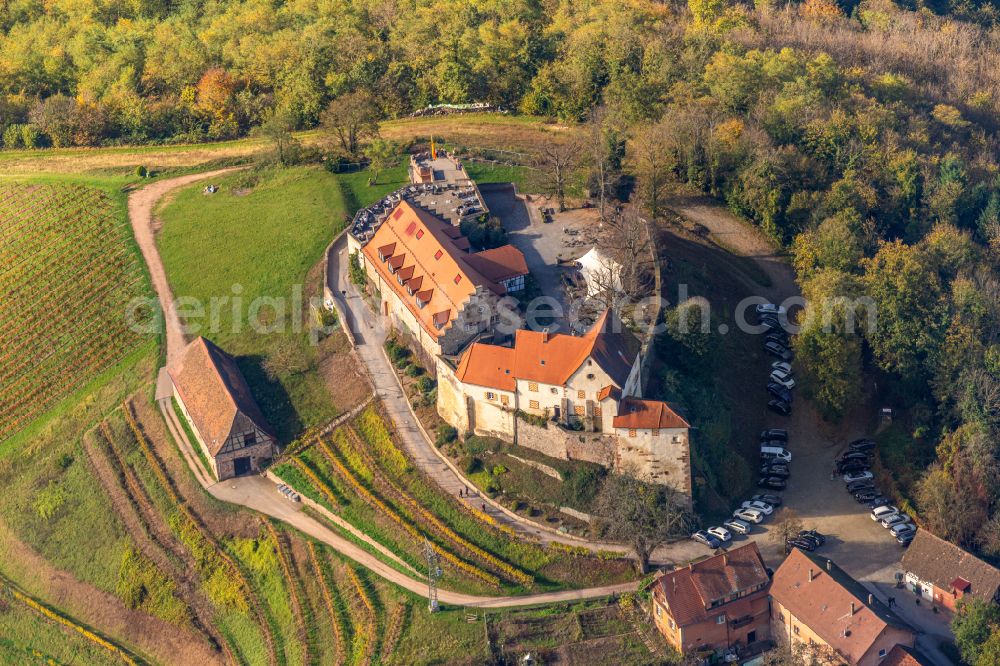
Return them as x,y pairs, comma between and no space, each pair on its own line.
786,382
704,538
772,482
779,407
777,336
862,445
720,533
854,455
812,542
776,453
779,392
852,466
902,528
865,496
750,515
763,507
879,501
774,434
771,322
893,519
883,510
858,476
780,471
773,443
906,538
781,351
803,544
738,526
858,486
813,534
771,309
773,500
781,365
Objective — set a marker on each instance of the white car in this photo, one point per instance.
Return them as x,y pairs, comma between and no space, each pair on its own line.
783,380
763,507
720,533
851,477
750,515
902,528
781,366
880,511
893,519
770,309
737,525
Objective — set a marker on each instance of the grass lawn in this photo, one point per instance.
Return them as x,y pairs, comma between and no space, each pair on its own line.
358,193
28,638
253,243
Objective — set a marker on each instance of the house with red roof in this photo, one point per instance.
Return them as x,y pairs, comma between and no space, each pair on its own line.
215,399
715,606
431,285
569,397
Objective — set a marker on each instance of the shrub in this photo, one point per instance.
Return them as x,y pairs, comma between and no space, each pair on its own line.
414,370
471,464
356,272
12,137
426,385
498,470
446,434
49,499
65,460
141,171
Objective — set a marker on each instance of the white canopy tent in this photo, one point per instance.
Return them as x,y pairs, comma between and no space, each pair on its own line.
601,272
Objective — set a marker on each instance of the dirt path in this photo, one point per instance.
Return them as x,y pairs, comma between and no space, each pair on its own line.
140,214
86,603
737,237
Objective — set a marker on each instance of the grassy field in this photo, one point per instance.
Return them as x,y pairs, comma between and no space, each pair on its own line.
255,242
70,275
486,131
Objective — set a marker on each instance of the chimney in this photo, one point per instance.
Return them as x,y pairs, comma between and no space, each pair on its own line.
829,565
725,559
852,608
810,574
545,334
871,599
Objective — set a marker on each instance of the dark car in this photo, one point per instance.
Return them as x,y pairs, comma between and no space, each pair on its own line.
780,407
854,455
771,323
864,496
775,470
819,537
773,500
703,537
852,466
862,484
774,435
772,482
905,538
777,336
779,392
862,445
879,501
803,544
778,350
775,443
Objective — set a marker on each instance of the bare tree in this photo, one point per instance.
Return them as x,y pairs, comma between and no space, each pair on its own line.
352,118
556,161
603,145
627,241
786,526
642,514
653,161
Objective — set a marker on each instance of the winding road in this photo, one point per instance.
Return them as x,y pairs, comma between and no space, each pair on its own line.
258,493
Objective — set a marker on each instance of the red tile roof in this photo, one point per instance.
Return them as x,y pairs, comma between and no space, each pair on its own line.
691,591
214,392
647,414
419,246
904,656
823,601
552,359
498,264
